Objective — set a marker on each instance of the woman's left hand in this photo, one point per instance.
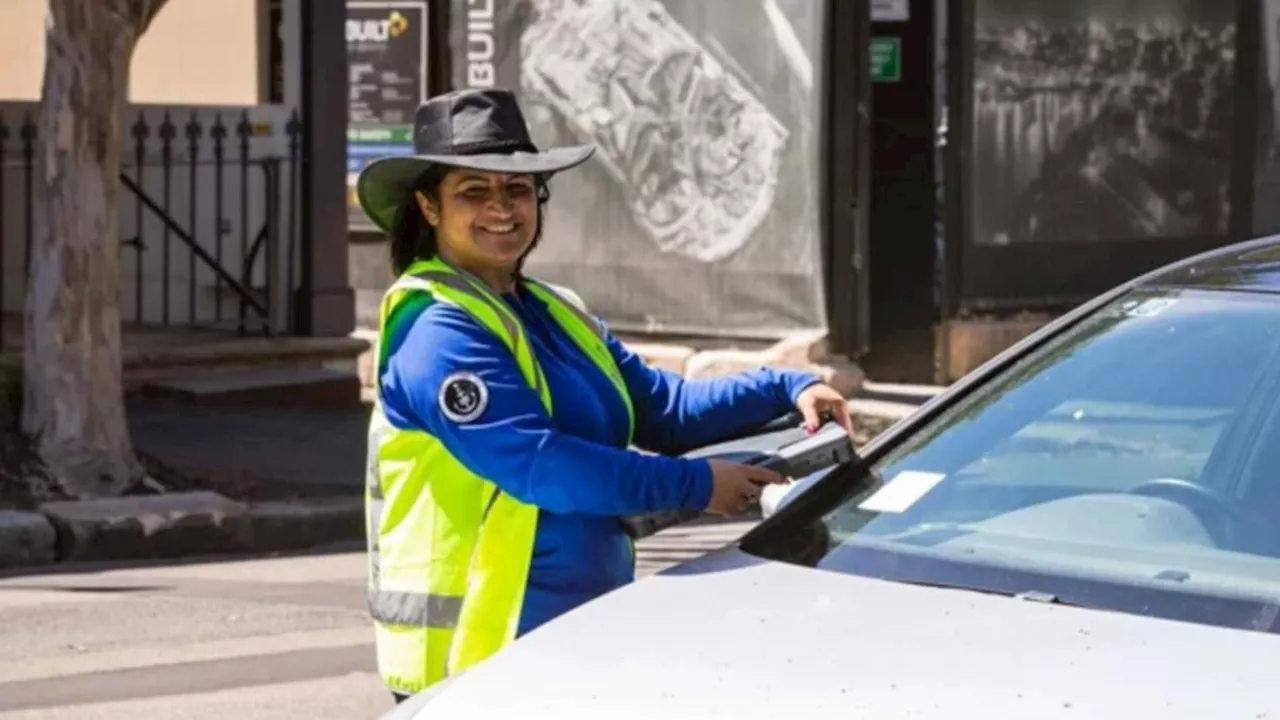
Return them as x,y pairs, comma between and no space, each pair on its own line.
822,399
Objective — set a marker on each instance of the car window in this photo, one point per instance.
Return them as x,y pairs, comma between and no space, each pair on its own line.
1133,394
1143,439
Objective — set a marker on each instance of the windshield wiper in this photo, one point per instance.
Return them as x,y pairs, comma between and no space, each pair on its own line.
1040,596
1027,595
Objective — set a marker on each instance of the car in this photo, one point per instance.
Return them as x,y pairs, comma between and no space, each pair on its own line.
1086,526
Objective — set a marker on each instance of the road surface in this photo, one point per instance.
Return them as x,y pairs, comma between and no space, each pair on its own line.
284,637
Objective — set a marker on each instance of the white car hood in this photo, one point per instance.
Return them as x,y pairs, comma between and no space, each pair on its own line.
736,637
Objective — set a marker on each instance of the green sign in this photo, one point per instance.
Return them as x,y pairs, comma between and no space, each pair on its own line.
399,135
886,59
387,57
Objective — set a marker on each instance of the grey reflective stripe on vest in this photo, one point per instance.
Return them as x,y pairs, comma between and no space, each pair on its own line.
573,308
373,479
373,502
416,610
419,610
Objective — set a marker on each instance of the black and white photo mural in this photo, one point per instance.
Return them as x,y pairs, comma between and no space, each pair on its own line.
700,210
1101,120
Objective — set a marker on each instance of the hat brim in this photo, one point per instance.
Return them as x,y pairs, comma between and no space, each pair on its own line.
383,184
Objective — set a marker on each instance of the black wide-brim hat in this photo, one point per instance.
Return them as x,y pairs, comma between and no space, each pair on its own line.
475,129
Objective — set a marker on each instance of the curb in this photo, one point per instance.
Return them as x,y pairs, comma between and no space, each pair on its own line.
173,525
176,525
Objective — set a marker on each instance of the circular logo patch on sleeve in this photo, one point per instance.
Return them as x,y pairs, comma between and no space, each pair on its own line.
463,397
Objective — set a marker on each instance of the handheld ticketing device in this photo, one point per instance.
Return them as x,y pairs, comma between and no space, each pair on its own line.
826,448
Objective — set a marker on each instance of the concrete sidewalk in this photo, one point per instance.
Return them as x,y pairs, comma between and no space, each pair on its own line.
299,473
319,450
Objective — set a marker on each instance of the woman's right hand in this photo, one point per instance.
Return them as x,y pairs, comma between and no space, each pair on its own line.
736,487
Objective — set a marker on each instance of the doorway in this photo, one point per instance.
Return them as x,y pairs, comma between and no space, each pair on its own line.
905,243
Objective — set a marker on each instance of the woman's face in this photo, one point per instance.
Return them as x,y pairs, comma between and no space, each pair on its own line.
485,220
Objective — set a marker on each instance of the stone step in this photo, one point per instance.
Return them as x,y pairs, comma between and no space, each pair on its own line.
304,386
184,360
805,350
973,341
907,394
208,367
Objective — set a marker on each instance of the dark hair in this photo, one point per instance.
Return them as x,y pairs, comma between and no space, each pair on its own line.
414,239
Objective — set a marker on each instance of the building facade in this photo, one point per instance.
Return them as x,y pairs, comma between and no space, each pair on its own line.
1092,141
231,205
927,180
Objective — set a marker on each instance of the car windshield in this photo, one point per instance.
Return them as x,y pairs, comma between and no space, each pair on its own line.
1131,463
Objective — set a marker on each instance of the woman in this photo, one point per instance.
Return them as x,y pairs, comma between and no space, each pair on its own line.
500,456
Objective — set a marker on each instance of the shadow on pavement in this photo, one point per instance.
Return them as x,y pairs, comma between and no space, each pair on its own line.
103,566
319,451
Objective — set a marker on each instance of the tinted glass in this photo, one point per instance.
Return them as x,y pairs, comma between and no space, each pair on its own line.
1141,447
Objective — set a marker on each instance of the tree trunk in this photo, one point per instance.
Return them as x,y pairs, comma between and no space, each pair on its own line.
73,397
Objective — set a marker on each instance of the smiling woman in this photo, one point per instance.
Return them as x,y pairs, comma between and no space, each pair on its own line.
492,214
510,430
470,218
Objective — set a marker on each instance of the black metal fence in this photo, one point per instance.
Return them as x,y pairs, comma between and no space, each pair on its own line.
209,219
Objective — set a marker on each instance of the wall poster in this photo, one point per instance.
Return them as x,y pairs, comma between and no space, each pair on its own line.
699,212
1101,120
387,57
1266,188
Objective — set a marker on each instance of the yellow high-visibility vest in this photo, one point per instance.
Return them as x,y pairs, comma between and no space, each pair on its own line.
449,553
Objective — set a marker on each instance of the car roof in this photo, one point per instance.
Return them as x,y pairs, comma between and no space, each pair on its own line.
1252,266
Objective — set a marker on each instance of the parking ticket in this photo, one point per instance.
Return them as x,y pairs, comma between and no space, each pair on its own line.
904,490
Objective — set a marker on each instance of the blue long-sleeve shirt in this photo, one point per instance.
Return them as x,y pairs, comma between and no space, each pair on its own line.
575,464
